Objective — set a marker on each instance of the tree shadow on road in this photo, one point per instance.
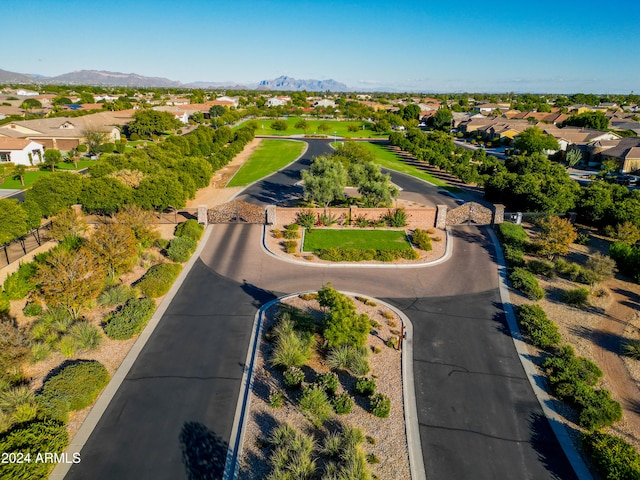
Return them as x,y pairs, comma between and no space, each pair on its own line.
545,444
260,296
204,453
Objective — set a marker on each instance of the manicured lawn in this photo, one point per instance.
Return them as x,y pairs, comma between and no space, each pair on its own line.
29,178
392,161
336,127
269,157
358,239
70,166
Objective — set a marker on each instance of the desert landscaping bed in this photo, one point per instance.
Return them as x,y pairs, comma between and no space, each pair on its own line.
386,445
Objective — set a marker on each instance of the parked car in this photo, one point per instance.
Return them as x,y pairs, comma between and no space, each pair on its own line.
627,180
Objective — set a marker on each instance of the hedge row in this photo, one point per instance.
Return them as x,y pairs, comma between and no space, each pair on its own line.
527,283
358,255
542,331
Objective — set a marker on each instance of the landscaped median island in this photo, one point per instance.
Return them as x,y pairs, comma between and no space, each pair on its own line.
327,396
375,235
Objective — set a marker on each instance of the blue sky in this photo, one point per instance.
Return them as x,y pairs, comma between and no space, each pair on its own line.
430,46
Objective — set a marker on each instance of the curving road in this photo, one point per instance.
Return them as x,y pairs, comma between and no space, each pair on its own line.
478,416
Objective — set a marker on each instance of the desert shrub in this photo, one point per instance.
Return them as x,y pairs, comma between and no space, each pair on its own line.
130,319
290,246
293,377
32,309
421,239
115,295
294,227
276,399
308,296
181,248
85,335
396,218
598,410
74,387
191,229
37,436
577,297
350,358
568,373
615,458
327,219
367,301
542,267
514,256
632,349
380,405
158,279
14,344
314,402
291,234
365,386
292,348
328,382
18,404
513,235
540,329
567,269
342,403
275,233
67,346
306,219
291,455
5,303
18,285
526,282
39,351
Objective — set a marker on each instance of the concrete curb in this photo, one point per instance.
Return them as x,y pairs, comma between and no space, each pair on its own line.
447,255
86,429
412,427
545,400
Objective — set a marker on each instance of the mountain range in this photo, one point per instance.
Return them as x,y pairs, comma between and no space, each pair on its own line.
117,79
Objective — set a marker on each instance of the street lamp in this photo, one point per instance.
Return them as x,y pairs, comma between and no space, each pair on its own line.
335,136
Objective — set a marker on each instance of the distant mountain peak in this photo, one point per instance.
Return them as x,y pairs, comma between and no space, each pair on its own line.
285,82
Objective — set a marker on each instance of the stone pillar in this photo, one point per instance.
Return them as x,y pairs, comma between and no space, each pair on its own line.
441,216
498,214
203,218
271,215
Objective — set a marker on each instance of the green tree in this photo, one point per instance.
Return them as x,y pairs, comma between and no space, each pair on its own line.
325,181
18,173
159,192
302,124
30,104
279,125
342,325
217,111
55,192
555,236
534,140
596,120
410,112
68,224
114,245
104,195
603,268
151,122
442,119
13,220
52,157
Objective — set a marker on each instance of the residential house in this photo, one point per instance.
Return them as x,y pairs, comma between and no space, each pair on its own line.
179,112
26,93
324,103
226,101
625,152
20,151
277,101
579,137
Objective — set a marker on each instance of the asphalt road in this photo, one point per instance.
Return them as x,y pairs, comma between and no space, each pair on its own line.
478,416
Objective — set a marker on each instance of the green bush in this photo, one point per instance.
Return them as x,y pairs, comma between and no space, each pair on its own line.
86,336
526,282
73,387
542,267
396,218
115,295
276,399
32,438
598,410
158,279
361,255
5,303
315,404
18,285
290,234
292,454
540,329
293,377
513,235
306,219
130,319
292,348
514,256
568,269
32,309
191,228
578,297
632,349
342,403
380,405
614,457
290,246
328,382
354,359
365,386
293,227
421,239
181,248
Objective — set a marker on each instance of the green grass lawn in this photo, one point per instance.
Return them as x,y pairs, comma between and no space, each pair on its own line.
70,166
29,178
336,127
269,157
388,159
357,239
